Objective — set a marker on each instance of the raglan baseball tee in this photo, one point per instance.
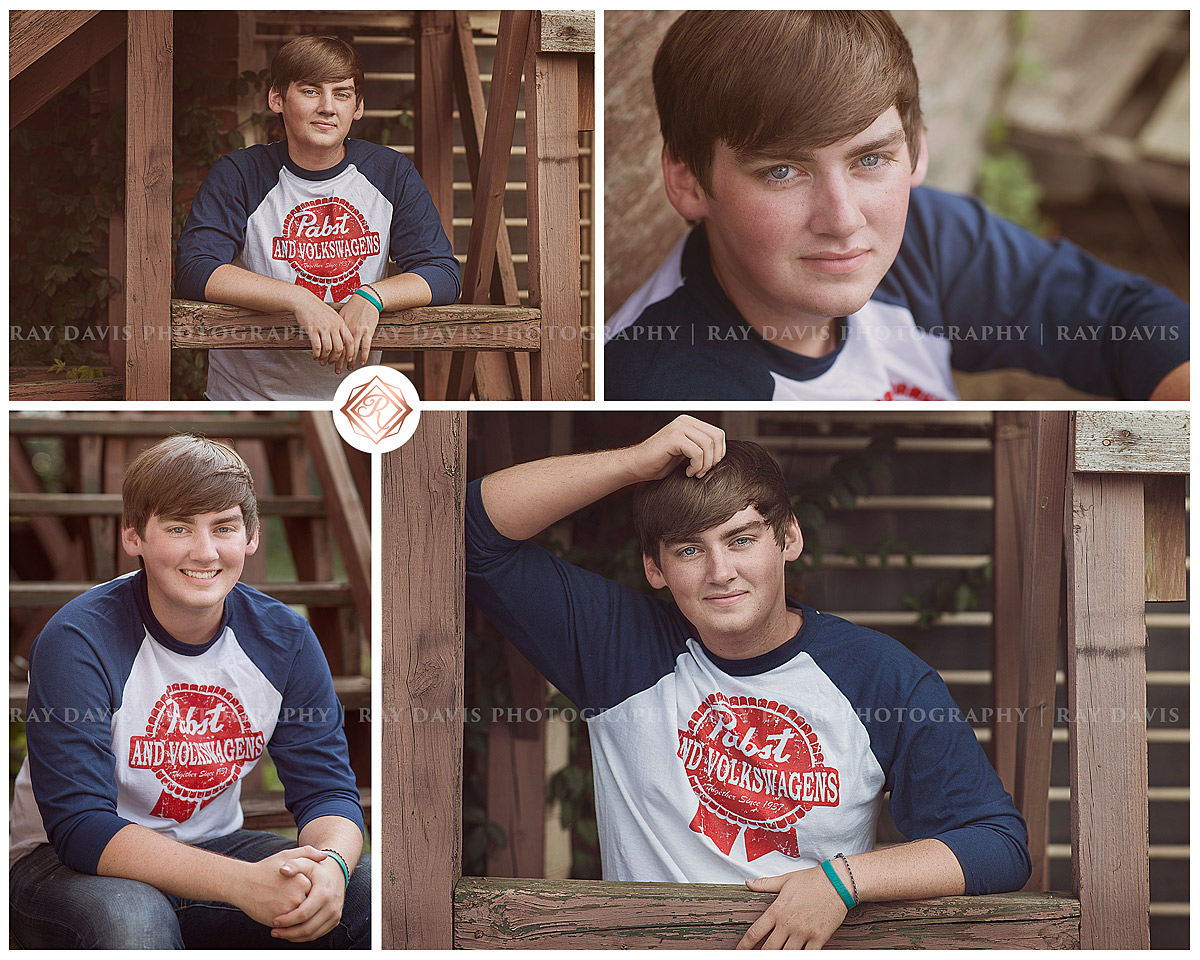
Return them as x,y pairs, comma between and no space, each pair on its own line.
125,724
715,770
968,290
328,230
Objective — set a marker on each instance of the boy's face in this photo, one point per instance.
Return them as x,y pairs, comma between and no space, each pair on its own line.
803,238
728,582
317,116
191,563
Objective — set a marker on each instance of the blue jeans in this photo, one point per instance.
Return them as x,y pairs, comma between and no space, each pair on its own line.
54,907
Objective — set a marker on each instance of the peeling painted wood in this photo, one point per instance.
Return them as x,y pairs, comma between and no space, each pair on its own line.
579,914
567,31
1131,441
459,327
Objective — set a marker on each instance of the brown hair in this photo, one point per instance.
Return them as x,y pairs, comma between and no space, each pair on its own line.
780,82
184,476
314,59
679,507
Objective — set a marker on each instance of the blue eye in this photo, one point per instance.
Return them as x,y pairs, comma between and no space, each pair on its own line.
688,552
780,172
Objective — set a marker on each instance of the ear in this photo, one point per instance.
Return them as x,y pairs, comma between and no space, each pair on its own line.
275,100
362,105
653,574
922,167
252,543
131,542
793,542
683,189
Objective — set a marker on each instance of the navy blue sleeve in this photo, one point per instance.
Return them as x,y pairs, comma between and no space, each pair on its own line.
215,231
596,641
1006,298
308,745
942,786
72,768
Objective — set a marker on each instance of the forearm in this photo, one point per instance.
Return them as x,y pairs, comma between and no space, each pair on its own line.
907,871
139,853
242,288
334,833
403,291
1176,385
523,500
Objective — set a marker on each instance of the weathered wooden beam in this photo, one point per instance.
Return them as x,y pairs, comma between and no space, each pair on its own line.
109,505
1010,480
148,165
264,809
1106,700
1131,441
46,594
151,425
423,603
71,56
484,327
493,914
98,388
1041,607
552,196
34,33
1166,537
567,31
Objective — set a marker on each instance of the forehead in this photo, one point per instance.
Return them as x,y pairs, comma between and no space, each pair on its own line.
886,125
745,519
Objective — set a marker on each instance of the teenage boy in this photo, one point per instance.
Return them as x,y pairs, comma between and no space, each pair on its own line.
293,226
820,269
737,735
150,698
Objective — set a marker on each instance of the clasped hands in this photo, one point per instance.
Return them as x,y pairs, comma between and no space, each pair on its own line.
298,893
343,339
804,916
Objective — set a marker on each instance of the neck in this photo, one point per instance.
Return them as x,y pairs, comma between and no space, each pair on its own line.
775,634
317,160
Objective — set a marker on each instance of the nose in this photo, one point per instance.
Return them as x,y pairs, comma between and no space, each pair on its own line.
720,568
326,104
836,210
204,547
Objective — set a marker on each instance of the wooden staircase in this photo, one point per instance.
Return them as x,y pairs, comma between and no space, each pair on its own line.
65,507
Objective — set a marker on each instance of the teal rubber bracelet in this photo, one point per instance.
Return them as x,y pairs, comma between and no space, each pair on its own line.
370,299
840,887
341,863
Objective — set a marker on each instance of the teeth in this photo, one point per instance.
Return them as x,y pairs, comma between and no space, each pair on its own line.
201,574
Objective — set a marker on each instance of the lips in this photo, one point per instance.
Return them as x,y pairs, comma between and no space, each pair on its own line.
725,599
836,262
201,574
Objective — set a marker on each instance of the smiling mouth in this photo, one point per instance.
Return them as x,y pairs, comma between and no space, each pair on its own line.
201,574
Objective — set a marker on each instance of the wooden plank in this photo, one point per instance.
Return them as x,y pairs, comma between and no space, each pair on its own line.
34,33
493,377
102,531
1106,698
567,31
264,809
44,594
1165,136
62,550
483,327
109,505
148,424
1166,537
1131,441
344,508
582,914
1041,602
99,388
148,206
434,147
423,616
116,233
1010,473
552,196
489,186
73,56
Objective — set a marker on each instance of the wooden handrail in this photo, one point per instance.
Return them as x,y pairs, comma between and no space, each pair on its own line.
579,914
202,326
57,593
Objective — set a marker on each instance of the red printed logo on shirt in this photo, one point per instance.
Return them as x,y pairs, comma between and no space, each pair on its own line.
198,739
326,241
756,765
906,391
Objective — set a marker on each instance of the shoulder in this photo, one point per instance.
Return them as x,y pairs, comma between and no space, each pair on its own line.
383,166
266,619
861,659
99,626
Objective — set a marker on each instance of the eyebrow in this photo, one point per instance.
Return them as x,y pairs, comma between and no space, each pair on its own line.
755,525
229,518
882,142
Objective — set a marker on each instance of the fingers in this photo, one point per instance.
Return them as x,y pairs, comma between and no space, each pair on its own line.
767,884
702,443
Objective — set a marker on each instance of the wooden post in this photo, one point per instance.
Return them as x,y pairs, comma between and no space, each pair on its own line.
1010,473
423,603
552,195
148,206
1041,594
433,152
1166,538
1106,643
